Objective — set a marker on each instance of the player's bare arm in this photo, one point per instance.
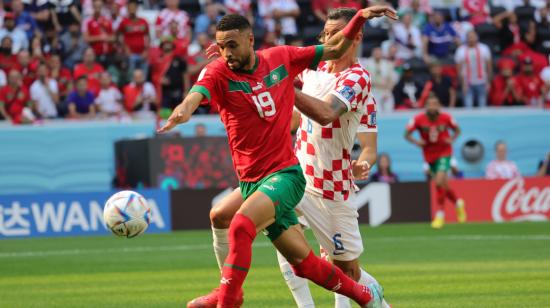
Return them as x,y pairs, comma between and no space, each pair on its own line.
321,111
409,137
456,133
337,45
369,147
182,113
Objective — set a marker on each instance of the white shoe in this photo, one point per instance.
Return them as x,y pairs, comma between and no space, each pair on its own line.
377,296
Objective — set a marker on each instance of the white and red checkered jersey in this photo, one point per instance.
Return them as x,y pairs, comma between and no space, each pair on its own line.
166,16
324,151
238,6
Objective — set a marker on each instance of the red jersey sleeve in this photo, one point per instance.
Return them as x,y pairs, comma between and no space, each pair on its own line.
412,125
206,84
451,122
301,58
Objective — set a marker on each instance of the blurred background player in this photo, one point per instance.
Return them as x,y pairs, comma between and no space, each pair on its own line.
435,141
271,188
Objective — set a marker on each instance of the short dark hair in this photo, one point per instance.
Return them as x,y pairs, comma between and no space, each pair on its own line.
233,22
83,77
499,142
345,13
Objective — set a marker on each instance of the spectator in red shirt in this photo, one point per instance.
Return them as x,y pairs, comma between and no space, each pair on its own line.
91,69
98,33
139,95
181,45
505,89
196,62
27,66
169,14
61,74
135,34
160,60
15,100
7,59
531,84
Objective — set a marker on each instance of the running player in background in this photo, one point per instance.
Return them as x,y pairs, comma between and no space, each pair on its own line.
251,90
435,140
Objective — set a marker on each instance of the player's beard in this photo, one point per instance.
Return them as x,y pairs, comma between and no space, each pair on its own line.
241,63
432,115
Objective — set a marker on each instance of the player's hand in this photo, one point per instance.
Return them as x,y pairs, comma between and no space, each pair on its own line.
360,170
379,11
175,118
449,140
213,51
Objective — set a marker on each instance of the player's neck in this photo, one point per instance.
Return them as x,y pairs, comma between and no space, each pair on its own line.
342,64
251,63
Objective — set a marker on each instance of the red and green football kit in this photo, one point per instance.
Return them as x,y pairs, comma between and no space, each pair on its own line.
256,108
437,151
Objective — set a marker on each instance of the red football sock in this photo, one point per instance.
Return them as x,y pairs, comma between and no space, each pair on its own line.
242,232
332,278
440,196
451,195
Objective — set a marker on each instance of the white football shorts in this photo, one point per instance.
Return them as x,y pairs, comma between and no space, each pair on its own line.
334,224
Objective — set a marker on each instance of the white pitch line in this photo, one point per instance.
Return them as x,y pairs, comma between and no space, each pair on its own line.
74,252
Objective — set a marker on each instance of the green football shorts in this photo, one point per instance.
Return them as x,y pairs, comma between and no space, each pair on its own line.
285,188
442,164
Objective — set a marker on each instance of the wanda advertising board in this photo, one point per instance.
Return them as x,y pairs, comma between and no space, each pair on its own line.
519,199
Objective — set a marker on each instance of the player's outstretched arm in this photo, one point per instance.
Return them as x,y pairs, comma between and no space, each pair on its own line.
182,113
321,111
337,45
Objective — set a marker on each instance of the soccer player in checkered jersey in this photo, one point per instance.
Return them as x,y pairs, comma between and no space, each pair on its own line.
434,127
252,90
338,106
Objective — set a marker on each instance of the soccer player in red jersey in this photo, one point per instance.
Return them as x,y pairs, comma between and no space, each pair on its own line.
254,92
435,140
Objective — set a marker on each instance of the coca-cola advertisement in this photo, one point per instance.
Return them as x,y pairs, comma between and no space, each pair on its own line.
518,199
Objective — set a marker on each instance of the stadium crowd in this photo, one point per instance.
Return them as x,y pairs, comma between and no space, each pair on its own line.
129,59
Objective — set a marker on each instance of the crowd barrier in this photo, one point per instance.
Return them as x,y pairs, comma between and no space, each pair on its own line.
70,156
69,214
519,199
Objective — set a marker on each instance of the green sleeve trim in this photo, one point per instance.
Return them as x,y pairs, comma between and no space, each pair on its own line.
319,50
2,103
202,90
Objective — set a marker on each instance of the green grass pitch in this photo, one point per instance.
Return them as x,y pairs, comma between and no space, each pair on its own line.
472,265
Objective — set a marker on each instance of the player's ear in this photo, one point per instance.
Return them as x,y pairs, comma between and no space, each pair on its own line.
251,38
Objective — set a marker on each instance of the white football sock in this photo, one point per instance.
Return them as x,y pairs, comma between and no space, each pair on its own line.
440,214
221,245
297,285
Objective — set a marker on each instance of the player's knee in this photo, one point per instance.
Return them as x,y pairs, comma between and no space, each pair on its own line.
219,218
351,269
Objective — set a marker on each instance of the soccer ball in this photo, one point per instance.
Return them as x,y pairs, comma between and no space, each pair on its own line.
127,214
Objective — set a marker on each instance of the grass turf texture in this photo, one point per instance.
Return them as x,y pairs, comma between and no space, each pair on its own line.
472,265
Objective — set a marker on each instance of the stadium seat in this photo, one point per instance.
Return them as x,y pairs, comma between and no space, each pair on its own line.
543,36
489,35
525,14
495,10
